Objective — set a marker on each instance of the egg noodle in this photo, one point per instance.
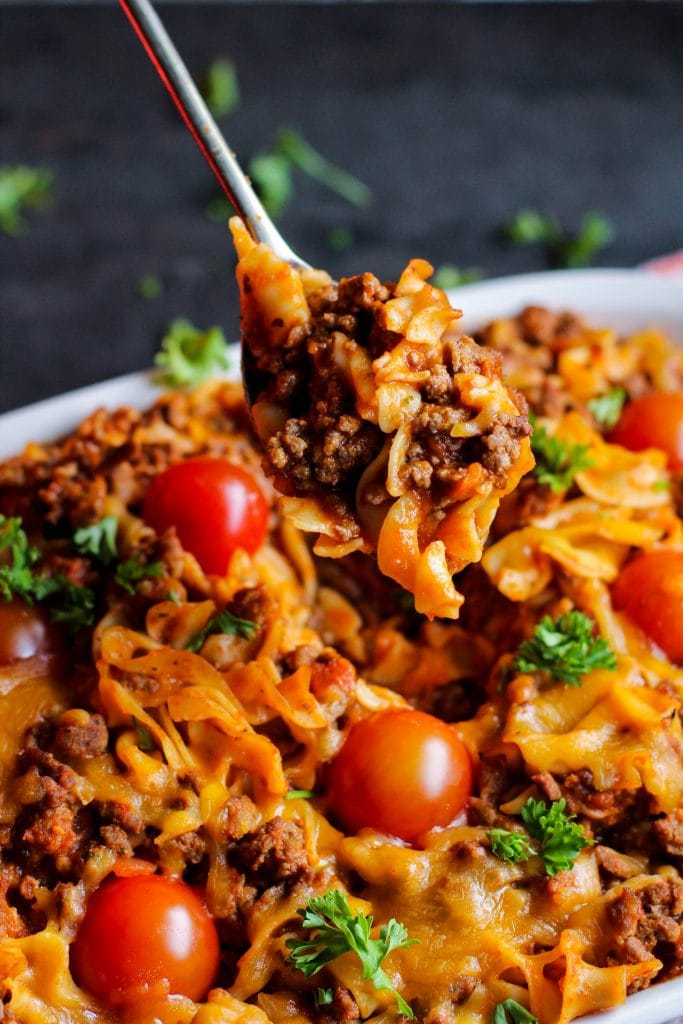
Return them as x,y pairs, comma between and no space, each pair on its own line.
214,750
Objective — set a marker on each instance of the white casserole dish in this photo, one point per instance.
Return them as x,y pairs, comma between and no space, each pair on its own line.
626,299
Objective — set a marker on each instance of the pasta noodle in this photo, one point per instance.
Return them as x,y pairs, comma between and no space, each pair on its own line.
191,729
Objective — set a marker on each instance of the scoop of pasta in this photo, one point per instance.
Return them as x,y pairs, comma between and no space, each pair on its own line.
385,431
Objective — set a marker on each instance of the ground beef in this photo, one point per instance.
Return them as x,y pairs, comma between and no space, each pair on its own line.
501,445
603,807
275,852
341,1010
238,816
669,833
81,734
646,923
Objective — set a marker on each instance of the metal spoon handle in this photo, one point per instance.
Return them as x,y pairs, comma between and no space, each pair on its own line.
202,126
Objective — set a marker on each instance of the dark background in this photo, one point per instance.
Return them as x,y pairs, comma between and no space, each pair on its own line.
456,116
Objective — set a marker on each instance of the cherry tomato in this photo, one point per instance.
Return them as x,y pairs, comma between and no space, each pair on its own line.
144,933
24,632
649,589
215,506
653,421
401,772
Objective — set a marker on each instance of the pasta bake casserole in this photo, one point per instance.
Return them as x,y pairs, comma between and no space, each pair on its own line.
244,781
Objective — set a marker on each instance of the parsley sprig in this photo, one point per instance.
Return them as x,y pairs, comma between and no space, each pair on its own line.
512,1012
557,462
338,931
224,622
98,540
220,87
510,846
561,837
72,604
558,834
131,572
607,408
189,357
566,648
22,188
564,249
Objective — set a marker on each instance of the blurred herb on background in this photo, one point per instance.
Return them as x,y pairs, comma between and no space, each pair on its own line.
563,249
22,188
149,286
189,356
220,87
339,239
271,173
450,276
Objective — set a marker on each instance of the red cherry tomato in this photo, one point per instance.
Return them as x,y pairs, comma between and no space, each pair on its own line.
24,632
216,507
144,934
653,421
649,589
401,772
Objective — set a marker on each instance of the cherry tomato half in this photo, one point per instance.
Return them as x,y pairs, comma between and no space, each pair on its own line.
649,589
215,506
144,933
401,772
25,631
653,421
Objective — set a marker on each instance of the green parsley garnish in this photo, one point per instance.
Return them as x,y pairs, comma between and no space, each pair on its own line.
607,408
449,276
512,1012
299,794
98,540
129,573
339,239
224,622
566,648
145,741
511,846
557,462
22,188
271,173
16,577
220,87
338,931
562,839
661,485
149,286
322,997
564,250
189,356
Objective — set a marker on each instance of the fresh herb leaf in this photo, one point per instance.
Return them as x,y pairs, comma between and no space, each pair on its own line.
661,485
22,188
449,276
149,286
511,846
339,239
271,175
607,408
189,356
561,837
76,608
16,576
299,794
338,931
292,145
174,597
566,648
98,540
565,250
224,622
511,1012
145,741
557,462
220,87
323,997
129,573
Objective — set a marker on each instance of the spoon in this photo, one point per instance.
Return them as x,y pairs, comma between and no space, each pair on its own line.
206,133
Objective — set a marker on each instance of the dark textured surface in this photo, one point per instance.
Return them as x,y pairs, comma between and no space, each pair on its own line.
457,116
